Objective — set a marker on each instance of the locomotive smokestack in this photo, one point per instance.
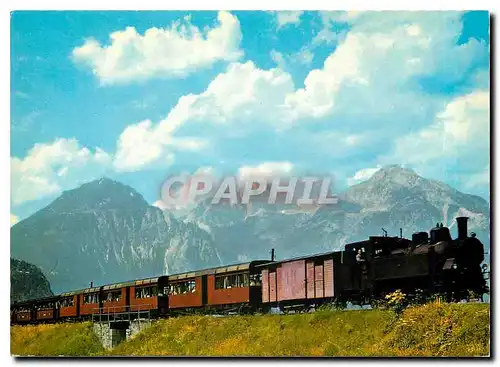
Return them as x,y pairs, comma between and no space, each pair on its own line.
272,254
462,227
91,284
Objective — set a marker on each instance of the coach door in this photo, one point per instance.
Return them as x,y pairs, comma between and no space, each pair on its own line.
78,305
127,299
204,289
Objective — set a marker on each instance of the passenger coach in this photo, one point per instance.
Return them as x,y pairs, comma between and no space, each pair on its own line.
230,288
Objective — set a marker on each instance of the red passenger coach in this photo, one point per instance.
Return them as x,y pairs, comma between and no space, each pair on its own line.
235,287
115,297
148,295
22,312
308,279
89,301
185,290
46,309
68,305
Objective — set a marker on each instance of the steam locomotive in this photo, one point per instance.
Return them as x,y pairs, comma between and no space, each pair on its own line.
431,263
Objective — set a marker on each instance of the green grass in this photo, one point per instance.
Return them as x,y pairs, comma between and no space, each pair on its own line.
70,339
431,330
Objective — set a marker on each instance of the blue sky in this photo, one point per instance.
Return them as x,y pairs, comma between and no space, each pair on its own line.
139,96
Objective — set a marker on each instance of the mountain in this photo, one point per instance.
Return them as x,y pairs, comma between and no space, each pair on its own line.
393,198
105,232
27,282
396,197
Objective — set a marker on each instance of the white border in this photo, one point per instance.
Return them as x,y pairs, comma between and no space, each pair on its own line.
9,5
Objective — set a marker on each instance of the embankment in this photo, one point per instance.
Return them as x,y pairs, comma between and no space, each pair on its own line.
430,330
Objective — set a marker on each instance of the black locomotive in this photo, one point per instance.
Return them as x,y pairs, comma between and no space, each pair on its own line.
432,263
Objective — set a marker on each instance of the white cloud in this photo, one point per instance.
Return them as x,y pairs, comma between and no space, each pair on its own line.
316,99
326,36
143,143
284,18
21,94
303,57
266,170
366,84
278,58
243,95
362,175
140,144
461,128
375,66
171,52
48,169
13,219
329,34
454,148
482,178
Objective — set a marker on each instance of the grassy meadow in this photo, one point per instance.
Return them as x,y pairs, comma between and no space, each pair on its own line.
435,329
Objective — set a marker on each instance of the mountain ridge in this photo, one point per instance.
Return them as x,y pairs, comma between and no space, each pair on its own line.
105,231
27,282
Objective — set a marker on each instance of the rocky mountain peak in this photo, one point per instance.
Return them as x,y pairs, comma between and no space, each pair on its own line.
98,195
396,174
105,232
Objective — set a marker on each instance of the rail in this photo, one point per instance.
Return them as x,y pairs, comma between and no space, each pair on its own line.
121,313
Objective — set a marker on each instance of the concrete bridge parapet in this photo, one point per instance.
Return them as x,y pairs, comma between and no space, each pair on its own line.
113,333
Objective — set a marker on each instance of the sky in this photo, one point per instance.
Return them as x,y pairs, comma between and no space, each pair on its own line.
141,96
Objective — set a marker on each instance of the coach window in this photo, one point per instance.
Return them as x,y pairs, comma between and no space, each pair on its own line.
171,291
163,292
146,292
221,282
67,302
255,279
231,281
241,280
91,298
45,305
191,286
113,296
182,287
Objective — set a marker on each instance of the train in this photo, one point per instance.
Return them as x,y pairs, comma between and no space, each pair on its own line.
431,263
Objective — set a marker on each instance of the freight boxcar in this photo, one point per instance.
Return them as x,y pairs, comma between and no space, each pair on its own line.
299,282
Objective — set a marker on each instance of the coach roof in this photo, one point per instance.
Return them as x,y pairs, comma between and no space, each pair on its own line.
217,270
271,263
